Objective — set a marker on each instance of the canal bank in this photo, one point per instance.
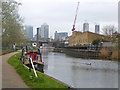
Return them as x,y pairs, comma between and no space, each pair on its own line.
42,81
79,53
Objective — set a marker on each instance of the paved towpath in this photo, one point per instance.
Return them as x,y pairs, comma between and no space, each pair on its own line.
10,79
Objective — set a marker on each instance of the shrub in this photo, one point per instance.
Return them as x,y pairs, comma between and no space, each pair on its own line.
115,54
104,53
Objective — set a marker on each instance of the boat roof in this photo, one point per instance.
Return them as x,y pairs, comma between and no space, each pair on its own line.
33,52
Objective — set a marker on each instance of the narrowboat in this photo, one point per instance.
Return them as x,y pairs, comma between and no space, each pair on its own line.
36,59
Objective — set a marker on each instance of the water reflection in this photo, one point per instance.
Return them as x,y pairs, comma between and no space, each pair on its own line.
80,73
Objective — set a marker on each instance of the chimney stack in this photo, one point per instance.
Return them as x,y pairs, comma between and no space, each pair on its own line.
37,37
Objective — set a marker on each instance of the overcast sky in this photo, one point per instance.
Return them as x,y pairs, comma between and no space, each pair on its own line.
60,14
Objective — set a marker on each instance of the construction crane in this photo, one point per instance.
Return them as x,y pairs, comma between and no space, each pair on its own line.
75,17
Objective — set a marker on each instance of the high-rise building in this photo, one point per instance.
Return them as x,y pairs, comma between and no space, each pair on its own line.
61,35
85,27
35,37
55,37
29,32
97,29
44,31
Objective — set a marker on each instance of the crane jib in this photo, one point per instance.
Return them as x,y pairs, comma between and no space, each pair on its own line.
75,17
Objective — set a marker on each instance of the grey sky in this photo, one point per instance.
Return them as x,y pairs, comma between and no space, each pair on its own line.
59,14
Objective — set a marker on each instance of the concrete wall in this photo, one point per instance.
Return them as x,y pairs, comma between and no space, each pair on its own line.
109,44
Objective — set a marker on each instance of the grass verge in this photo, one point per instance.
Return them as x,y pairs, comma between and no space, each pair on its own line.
4,51
29,78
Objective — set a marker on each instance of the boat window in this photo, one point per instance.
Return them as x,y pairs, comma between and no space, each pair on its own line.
34,57
27,56
38,58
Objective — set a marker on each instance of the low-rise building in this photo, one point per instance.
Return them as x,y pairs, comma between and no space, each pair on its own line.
83,38
60,35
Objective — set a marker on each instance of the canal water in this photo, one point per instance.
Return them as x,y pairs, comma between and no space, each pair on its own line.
80,73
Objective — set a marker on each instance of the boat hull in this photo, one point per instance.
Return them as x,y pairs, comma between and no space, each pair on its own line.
38,66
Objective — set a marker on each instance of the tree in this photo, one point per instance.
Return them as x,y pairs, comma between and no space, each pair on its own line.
98,40
12,24
109,31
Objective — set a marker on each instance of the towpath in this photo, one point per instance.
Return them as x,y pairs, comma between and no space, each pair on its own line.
10,79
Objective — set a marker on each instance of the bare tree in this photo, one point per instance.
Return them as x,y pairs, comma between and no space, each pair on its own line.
108,30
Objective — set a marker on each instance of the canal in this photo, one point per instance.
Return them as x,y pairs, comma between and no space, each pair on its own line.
80,73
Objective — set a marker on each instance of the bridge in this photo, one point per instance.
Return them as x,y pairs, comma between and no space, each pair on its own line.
41,42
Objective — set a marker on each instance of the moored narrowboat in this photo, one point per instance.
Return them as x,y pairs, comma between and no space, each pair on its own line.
36,59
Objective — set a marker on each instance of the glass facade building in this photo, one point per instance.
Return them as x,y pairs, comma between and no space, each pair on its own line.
85,27
29,32
44,31
97,29
61,35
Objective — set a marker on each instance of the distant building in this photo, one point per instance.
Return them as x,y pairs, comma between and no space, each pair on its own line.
29,32
55,37
85,27
35,37
97,29
44,31
83,38
61,35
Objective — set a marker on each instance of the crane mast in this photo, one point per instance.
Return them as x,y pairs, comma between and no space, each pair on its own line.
75,17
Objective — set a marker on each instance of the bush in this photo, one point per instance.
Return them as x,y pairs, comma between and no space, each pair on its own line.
104,53
98,40
115,54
